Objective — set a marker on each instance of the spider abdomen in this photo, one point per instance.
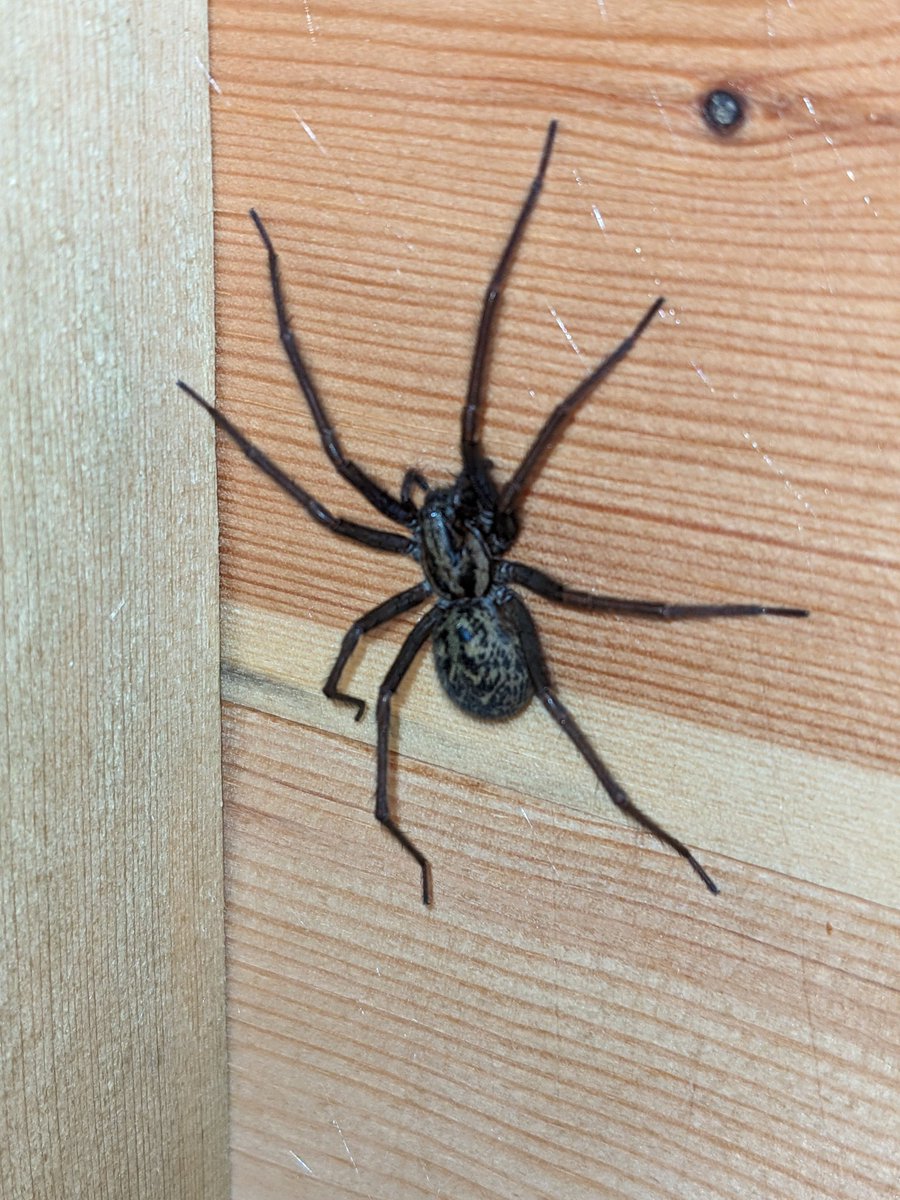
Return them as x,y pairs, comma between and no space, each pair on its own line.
479,658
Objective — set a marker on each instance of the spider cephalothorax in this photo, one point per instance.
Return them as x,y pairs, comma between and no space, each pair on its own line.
453,545
487,653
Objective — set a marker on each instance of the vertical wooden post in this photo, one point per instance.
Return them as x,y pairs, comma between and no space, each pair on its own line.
112,1071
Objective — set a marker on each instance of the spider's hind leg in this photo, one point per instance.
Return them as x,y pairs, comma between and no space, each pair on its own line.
415,640
537,665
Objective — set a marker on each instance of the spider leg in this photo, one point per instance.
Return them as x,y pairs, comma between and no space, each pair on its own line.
544,585
471,444
415,640
383,501
510,490
400,603
540,676
378,539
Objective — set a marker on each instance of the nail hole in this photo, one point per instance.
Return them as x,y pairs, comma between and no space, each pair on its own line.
723,111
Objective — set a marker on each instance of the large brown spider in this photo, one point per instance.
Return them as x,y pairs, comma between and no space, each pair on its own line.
486,648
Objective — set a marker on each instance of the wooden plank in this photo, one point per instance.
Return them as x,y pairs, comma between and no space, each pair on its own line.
112,997
575,1017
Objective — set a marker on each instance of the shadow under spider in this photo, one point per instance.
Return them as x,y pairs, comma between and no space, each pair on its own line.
487,652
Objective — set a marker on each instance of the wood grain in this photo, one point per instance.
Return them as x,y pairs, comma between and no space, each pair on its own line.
576,1017
112,1071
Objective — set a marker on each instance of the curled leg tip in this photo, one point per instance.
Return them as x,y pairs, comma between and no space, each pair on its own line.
343,698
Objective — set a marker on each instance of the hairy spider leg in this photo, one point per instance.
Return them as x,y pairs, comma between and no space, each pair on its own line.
378,539
383,501
510,491
386,611
545,585
473,459
540,676
415,640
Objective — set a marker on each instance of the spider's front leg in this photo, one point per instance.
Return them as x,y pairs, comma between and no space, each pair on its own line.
473,459
415,640
545,585
367,535
376,495
566,409
393,607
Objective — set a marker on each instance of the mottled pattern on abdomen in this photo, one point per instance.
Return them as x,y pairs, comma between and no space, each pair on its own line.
479,659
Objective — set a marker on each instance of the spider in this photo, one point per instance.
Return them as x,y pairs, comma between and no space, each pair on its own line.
486,648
